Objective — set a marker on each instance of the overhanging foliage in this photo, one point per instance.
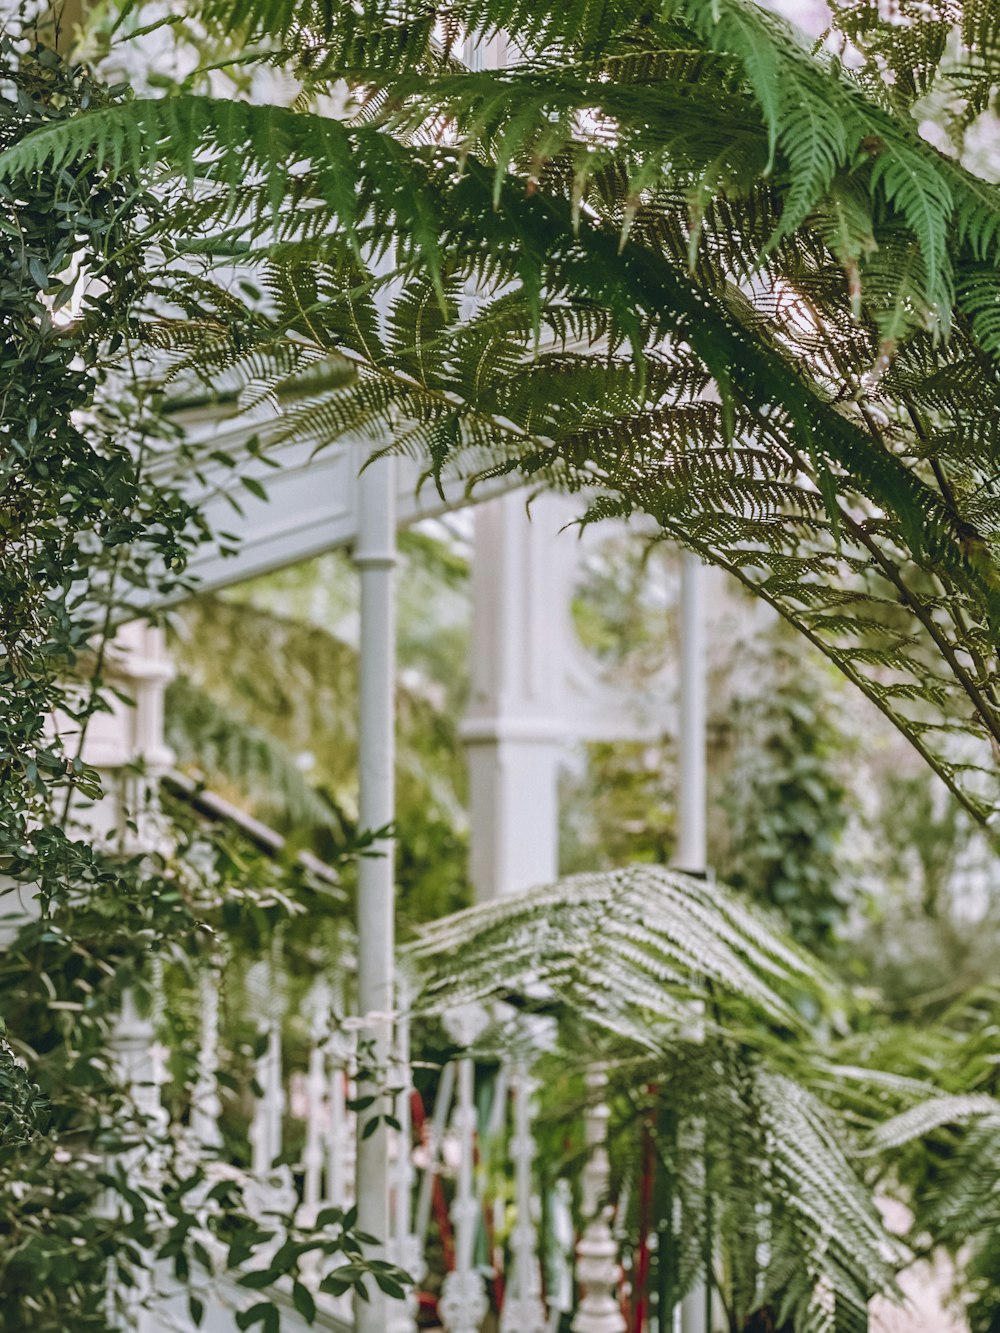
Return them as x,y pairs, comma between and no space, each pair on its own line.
753,300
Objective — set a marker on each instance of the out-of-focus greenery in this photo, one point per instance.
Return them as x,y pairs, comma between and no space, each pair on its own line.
780,757
623,605
265,707
816,811
784,804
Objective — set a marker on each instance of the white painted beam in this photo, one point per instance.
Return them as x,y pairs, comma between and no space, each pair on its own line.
313,497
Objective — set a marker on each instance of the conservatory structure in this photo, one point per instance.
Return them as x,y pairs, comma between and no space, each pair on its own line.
534,690
443,1155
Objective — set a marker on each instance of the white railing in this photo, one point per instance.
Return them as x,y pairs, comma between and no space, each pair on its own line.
472,1245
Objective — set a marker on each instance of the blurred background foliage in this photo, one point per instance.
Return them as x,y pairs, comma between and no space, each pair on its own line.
264,707
818,811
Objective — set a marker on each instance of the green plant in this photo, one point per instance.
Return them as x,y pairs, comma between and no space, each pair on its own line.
785,799
928,1126
95,1198
265,707
657,201
691,1000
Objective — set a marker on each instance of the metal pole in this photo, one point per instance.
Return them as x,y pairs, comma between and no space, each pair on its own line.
692,851
375,559
692,854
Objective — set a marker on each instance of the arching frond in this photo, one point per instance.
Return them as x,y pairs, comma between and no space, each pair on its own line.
934,1113
628,949
684,186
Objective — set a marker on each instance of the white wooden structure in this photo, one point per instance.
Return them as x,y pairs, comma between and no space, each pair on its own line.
534,691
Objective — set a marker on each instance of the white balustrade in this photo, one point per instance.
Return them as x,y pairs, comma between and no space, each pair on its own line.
464,1302
139,1062
265,1128
139,1066
318,1012
339,1140
271,1189
434,1134
159,1119
523,1308
597,1267
340,1136
562,1241
206,1105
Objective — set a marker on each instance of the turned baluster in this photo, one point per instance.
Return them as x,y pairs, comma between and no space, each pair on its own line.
597,1265
206,1105
523,1309
464,1303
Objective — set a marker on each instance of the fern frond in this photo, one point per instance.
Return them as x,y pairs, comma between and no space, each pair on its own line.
628,949
854,443
919,1121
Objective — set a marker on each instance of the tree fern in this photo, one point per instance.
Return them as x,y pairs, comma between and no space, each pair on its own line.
628,949
620,958
926,1117
689,186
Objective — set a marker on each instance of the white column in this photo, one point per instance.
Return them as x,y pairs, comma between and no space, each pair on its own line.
597,1267
692,853
375,558
691,817
512,730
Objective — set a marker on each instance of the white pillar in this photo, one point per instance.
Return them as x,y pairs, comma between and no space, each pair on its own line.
692,852
375,558
512,729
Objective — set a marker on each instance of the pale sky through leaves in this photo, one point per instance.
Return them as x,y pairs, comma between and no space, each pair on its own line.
811,16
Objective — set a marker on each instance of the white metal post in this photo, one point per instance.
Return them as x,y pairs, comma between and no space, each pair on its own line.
692,853
375,559
692,850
